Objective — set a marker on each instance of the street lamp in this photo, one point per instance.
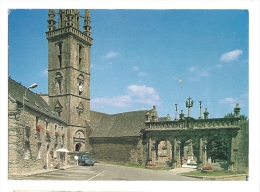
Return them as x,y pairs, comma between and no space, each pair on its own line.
24,97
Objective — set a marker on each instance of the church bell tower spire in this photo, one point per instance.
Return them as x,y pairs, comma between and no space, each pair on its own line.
69,72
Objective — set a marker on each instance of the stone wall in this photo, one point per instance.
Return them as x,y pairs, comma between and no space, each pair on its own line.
120,150
241,148
29,149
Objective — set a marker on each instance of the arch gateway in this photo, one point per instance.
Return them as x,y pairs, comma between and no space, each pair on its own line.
171,141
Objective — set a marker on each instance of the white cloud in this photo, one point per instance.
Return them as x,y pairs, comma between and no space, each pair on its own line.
118,101
135,94
192,69
228,100
231,56
142,74
203,74
242,100
219,66
111,54
135,68
197,73
44,72
143,94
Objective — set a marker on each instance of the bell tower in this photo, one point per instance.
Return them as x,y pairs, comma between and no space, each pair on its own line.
69,72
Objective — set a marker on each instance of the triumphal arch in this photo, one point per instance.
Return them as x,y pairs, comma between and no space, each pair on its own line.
165,141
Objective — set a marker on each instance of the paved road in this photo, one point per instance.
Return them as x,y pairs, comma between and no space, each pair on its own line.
104,172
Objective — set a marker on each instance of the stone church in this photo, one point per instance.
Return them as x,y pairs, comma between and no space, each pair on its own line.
41,124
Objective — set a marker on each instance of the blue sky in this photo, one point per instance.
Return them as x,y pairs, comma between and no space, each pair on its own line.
141,58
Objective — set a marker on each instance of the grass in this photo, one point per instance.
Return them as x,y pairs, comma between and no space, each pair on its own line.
214,174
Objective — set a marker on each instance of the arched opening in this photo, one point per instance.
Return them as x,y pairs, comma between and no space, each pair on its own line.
218,150
188,150
78,146
163,152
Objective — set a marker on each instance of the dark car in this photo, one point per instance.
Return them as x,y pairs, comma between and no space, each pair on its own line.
85,160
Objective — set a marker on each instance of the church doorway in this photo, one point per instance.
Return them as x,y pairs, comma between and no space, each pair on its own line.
78,147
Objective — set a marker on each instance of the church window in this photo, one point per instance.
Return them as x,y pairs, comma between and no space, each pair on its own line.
58,108
60,54
80,55
26,150
58,80
39,150
80,109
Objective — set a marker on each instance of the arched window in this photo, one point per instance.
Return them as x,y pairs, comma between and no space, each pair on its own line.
58,80
58,107
80,80
60,54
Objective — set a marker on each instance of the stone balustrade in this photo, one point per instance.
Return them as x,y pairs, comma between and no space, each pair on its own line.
68,29
190,123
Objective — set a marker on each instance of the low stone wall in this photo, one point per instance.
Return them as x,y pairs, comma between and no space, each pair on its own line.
112,150
239,177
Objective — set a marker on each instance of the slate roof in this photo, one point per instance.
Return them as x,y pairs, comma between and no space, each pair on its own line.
32,101
95,118
120,125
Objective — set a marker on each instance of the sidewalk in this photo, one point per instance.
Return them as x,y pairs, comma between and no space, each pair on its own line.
182,170
41,171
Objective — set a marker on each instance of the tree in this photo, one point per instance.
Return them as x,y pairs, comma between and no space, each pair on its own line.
231,115
218,149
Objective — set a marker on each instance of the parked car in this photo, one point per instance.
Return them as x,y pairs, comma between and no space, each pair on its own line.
85,160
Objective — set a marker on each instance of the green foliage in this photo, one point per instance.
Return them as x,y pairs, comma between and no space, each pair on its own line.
199,173
218,148
231,115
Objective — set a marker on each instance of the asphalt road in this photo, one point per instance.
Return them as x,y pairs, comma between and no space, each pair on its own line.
105,172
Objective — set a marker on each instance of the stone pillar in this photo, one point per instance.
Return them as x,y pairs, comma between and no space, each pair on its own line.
178,155
237,110
153,151
181,115
204,154
199,159
150,149
231,153
190,155
174,152
206,114
148,117
176,112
